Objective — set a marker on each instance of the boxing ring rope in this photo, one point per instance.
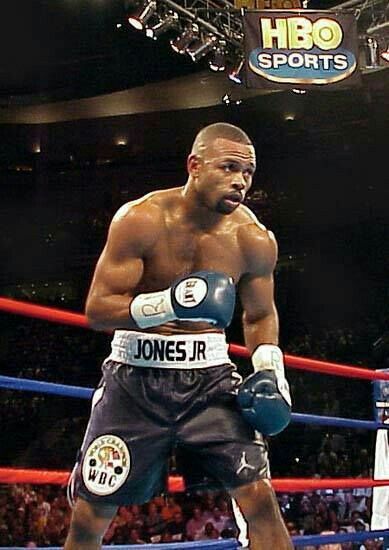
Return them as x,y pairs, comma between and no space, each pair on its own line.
26,384
231,544
66,317
16,475
280,485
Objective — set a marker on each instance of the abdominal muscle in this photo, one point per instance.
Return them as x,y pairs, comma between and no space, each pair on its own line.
183,327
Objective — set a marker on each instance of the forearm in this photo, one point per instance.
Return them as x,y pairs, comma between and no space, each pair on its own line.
109,313
264,396
211,298
264,330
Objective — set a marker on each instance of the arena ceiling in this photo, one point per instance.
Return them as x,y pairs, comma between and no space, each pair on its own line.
72,48
55,51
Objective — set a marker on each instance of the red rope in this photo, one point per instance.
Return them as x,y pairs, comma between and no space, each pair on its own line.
176,483
76,319
42,312
324,367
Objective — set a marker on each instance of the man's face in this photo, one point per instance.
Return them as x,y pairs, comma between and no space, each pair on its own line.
225,171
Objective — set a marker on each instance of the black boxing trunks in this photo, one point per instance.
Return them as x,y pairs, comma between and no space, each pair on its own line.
157,393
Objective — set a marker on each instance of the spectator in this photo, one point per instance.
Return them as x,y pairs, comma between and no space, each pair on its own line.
154,524
176,528
138,517
210,532
330,546
195,526
327,460
345,545
219,521
170,508
134,537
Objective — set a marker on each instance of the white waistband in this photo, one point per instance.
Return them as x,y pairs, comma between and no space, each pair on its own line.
179,351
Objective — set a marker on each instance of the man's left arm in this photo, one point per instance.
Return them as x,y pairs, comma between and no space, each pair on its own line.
264,396
256,287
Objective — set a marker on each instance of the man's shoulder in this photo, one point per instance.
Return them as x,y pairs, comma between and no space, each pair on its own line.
250,227
249,219
257,242
150,205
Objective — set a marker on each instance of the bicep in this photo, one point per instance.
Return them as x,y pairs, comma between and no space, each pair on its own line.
256,294
256,287
116,275
120,266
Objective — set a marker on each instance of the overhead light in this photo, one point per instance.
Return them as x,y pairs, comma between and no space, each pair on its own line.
201,47
164,25
139,18
121,141
181,43
236,72
299,91
226,99
371,53
385,54
217,62
289,117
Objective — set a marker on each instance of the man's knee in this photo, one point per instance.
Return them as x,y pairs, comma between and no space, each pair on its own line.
257,500
90,521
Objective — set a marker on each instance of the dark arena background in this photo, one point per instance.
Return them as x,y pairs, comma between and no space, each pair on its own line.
93,113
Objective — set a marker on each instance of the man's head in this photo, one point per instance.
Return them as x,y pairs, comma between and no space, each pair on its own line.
359,524
177,517
221,166
219,130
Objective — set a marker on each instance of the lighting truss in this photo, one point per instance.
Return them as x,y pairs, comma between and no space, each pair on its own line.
219,25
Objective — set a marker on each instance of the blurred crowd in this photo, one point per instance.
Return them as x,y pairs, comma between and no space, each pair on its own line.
32,516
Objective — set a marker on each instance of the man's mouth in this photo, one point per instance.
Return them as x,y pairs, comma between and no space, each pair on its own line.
234,197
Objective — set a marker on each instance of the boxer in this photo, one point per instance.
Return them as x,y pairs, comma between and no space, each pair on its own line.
166,283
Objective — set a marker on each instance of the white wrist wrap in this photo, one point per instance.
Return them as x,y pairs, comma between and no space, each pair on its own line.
152,309
270,357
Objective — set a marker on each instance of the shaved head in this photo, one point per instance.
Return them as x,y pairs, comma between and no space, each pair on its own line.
223,130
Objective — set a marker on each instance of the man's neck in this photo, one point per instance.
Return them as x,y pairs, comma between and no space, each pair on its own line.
196,213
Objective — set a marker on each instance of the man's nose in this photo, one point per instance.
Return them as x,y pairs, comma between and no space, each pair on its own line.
238,183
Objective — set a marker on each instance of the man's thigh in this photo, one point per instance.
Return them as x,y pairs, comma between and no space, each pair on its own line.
124,455
224,445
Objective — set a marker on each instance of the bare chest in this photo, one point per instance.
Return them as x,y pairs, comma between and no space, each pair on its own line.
181,252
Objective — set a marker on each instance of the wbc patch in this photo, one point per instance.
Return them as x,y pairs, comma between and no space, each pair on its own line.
106,465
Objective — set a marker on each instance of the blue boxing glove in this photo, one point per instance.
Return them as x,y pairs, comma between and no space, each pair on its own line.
202,296
264,396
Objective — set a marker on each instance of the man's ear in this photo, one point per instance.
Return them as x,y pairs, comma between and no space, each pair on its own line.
193,164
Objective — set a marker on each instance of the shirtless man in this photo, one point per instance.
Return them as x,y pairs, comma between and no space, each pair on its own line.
166,282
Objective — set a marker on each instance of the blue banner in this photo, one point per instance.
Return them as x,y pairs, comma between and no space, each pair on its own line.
300,48
381,399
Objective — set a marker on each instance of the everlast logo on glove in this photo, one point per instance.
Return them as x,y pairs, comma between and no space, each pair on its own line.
189,297
175,350
191,292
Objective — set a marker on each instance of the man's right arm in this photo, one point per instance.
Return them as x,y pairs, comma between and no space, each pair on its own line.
119,269
113,302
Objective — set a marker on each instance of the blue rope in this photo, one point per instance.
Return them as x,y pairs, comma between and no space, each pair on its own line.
232,544
337,421
26,384
308,540
225,544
